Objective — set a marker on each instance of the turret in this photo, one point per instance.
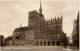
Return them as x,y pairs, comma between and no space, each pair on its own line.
61,22
55,18
20,24
61,18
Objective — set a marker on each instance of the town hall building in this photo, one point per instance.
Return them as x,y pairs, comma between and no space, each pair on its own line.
40,32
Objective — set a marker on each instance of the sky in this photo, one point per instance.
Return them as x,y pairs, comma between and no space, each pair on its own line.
14,13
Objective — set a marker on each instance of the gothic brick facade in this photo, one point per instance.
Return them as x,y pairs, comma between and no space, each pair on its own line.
44,32
47,32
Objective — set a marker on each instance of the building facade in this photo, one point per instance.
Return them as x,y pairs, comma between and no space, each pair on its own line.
74,28
8,41
77,28
1,40
23,36
19,36
29,37
47,33
40,32
75,34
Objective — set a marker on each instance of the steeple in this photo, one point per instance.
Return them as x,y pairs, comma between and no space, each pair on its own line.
20,24
40,9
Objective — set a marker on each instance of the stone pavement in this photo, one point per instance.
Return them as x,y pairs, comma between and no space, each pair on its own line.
36,48
70,48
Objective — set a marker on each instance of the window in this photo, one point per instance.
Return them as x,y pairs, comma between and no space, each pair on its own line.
58,35
53,35
52,27
58,20
44,36
48,22
18,37
54,24
59,24
48,26
49,36
37,36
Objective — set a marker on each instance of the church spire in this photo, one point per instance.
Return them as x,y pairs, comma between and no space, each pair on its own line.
40,10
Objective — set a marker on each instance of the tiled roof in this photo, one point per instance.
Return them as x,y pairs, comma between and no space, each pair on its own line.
21,29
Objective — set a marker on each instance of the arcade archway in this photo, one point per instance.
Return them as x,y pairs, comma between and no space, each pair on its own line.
58,43
53,43
48,43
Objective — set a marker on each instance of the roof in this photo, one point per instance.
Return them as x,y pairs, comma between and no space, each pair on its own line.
21,29
33,11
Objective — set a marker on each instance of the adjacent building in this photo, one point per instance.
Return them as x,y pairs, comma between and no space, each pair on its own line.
23,36
8,41
75,33
1,40
19,36
77,28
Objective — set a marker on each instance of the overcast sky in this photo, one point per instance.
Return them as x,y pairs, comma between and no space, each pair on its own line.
14,12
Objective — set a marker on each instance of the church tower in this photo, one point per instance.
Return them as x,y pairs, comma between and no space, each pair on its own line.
40,9
41,16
